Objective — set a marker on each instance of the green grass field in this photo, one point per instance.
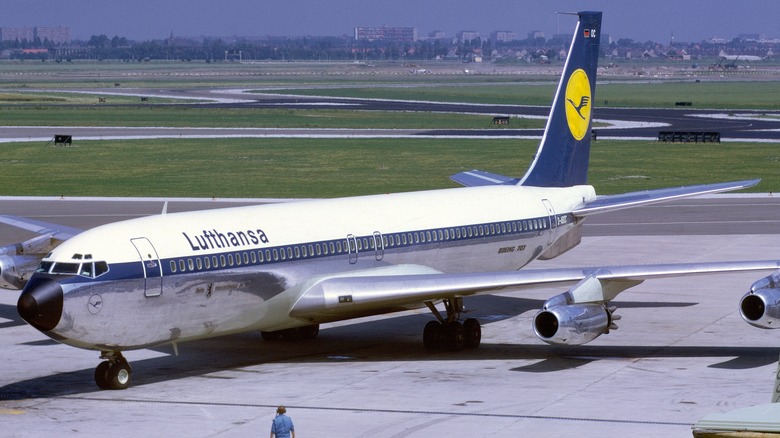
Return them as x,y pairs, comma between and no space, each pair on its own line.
338,167
706,94
344,167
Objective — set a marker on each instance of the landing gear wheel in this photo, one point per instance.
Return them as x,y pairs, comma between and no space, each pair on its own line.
473,331
454,336
101,375
309,331
119,375
432,336
272,336
113,373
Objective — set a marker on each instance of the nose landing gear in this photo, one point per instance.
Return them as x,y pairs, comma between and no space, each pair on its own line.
114,372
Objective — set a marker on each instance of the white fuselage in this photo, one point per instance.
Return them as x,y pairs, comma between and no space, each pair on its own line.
185,276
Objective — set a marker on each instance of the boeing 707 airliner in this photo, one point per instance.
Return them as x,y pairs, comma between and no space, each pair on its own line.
289,267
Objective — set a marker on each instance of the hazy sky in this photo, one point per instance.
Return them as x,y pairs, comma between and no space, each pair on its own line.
641,20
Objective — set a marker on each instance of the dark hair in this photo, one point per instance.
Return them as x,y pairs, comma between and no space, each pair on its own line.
281,410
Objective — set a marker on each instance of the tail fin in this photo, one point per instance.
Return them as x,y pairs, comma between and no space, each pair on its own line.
562,158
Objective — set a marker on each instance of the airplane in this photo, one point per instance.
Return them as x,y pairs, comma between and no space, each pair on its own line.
723,55
283,269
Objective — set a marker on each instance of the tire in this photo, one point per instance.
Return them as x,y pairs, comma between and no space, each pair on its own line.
309,331
118,375
473,330
271,336
432,336
454,336
101,375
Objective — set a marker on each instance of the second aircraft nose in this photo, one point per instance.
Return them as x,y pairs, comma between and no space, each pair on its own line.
41,303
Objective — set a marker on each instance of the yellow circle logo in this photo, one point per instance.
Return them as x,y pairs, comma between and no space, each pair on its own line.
578,103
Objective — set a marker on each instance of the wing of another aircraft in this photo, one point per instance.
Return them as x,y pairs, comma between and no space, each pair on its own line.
19,260
55,231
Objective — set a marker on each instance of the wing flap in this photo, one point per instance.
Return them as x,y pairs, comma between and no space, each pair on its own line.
348,296
607,203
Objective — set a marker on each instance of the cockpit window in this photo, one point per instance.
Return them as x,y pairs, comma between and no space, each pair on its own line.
65,268
100,268
86,269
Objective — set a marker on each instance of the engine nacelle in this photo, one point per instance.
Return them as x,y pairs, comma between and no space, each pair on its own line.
761,306
573,324
15,270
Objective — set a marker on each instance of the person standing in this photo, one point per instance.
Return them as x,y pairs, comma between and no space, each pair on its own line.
282,426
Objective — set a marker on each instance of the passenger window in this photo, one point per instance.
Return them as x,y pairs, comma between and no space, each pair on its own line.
182,268
207,262
190,265
254,257
173,266
222,261
199,263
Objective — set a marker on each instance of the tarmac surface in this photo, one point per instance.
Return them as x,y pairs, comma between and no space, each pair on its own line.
681,352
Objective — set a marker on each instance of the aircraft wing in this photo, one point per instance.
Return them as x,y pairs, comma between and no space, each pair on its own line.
389,290
55,231
607,203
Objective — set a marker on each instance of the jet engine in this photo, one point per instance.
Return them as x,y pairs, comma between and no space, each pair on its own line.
761,306
15,270
574,324
19,260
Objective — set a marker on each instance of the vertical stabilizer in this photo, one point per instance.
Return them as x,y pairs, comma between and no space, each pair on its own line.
562,158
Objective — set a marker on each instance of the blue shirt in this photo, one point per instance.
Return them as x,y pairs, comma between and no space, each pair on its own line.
282,426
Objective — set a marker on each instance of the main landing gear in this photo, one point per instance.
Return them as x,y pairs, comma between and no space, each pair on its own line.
114,372
449,333
305,332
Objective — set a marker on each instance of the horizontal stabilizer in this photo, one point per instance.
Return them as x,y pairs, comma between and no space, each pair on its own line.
607,203
475,178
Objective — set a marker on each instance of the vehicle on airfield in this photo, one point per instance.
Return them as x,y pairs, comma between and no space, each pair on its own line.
287,268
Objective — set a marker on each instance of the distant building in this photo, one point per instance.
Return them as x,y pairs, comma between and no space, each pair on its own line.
385,33
17,34
56,35
437,35
535,34
504,36
467,35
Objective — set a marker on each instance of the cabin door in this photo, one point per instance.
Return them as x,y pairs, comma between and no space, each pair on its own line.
552,220
151,266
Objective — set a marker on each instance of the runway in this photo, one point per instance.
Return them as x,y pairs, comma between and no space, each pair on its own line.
681,351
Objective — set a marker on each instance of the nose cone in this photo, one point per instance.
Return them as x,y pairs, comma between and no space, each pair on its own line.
41,303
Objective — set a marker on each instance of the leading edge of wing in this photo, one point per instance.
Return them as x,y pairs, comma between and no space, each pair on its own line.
607,203
55,231
346,296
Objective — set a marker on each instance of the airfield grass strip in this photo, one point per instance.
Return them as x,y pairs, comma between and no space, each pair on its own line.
188,116
321,168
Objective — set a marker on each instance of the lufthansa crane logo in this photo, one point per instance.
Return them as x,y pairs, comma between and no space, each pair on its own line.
578,103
